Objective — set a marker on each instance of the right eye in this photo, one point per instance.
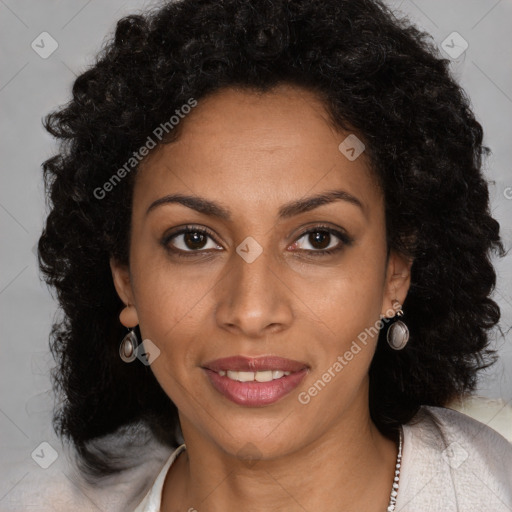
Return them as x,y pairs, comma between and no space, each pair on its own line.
190,239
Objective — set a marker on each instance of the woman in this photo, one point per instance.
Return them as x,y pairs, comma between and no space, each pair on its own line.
271,239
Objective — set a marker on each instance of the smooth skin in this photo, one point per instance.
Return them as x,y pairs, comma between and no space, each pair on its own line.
252,153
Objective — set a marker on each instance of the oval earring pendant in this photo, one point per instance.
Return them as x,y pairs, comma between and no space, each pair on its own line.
127,349
397,335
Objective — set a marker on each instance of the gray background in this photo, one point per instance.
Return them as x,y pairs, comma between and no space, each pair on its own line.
31,86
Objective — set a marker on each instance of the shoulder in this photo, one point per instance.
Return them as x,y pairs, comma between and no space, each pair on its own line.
451,426
454,462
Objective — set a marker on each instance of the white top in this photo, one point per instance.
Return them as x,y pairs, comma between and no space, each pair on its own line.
152,500
450,462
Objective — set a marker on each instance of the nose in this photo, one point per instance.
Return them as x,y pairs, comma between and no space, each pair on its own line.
254,301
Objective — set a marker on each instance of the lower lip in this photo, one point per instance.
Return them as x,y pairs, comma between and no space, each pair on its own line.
255,394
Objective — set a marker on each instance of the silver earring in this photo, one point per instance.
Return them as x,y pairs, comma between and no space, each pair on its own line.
128,347
398,333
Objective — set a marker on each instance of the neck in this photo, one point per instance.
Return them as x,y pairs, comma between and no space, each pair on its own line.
351,464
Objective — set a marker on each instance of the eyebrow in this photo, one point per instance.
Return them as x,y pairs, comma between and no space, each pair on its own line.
210,208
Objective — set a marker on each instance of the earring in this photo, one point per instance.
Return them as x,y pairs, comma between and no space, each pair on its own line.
398,333
128,347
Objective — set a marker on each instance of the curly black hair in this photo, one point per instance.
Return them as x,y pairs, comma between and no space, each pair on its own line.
378,76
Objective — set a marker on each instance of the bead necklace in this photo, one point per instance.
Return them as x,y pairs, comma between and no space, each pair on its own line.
396,479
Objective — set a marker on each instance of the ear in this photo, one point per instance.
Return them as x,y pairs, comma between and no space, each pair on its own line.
398,280
122,282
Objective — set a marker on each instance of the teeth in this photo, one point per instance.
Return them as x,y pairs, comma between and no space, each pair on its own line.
264,376
243,376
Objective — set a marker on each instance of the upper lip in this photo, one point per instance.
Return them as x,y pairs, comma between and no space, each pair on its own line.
255,364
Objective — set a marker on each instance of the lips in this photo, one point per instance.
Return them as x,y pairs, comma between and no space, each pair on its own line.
245,381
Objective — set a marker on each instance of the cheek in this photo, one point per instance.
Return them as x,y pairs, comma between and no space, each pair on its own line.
347,298
167,294
173,305
165,306
348,314
348,308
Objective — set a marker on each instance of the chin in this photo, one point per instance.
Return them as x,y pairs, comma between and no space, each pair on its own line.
264,440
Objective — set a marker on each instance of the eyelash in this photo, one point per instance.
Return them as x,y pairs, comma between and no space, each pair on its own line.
345,240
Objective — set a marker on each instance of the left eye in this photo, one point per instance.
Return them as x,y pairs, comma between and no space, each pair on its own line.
320,240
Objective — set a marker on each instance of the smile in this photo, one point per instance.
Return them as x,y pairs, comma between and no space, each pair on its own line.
255,382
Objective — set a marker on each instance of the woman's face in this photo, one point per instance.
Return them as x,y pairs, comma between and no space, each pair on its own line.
256,283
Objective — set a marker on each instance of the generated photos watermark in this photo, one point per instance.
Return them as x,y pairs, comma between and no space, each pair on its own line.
337,366
158,133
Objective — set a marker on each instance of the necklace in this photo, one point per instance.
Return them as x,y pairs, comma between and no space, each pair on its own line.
396,479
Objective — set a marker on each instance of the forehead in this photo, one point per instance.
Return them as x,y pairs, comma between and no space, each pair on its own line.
251,149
